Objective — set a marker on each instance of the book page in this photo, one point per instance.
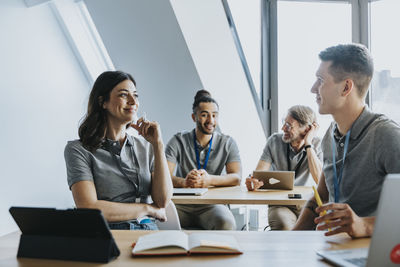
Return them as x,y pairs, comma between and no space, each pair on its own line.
165,239
200,242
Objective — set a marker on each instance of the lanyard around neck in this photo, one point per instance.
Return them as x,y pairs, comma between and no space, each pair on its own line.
338,178
296,169
196,148
108,147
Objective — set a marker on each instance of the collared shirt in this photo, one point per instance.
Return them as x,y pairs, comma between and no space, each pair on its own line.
135,158
180,150
373,152
275,152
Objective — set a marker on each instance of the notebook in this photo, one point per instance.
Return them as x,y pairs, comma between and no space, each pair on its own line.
385,244
189,191
283,180
180,243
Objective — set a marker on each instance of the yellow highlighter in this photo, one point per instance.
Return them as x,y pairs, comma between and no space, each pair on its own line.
319,202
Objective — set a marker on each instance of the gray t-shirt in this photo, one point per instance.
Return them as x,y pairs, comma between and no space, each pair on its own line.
103,167
180,150
275,152
373,152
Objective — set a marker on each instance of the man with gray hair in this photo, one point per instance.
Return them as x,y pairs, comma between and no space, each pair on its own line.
360,147
296,149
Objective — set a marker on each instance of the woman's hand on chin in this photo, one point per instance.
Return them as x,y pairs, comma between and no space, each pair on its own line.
150,130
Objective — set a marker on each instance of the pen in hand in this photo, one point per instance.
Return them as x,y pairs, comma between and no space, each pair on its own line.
319,202
252,183
136,118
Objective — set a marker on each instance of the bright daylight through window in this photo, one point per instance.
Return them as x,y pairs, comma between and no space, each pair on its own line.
304,29
385,43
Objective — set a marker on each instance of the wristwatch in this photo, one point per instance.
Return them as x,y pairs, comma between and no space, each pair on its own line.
307,146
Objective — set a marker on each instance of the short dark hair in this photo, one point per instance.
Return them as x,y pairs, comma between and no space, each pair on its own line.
350,61
93,128
202,96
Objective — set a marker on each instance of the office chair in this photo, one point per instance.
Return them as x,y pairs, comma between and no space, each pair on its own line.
172,222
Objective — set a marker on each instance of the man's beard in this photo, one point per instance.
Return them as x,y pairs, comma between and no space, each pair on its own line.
286,140
204,131
291,139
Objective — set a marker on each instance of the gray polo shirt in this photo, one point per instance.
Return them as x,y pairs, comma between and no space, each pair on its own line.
373,152
180,150
275,152
135,158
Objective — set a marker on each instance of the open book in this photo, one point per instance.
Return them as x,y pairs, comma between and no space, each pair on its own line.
180,243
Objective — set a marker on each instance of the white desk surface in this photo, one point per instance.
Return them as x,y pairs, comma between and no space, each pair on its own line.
240,195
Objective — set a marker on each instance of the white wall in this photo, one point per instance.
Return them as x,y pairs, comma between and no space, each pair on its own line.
144,39
174,48
43,96
206,31
44,90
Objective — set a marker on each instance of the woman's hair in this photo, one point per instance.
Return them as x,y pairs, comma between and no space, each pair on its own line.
93,128
202,96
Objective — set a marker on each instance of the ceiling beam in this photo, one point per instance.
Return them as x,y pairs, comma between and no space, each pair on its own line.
31,3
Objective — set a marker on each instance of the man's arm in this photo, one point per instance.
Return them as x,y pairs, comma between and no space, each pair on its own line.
263,165
232,177
172,153
308,214
314,164
252,183
176,181
342,219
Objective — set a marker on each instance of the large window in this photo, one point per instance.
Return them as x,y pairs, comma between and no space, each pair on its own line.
304,29
385,44
293,34
247,17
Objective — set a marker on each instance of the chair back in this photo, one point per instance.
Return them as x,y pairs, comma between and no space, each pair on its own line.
172,222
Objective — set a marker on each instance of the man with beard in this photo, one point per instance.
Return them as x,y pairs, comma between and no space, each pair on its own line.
296,149
204,157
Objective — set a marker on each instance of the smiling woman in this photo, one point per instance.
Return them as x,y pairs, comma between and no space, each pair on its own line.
109,88
112,171
123,102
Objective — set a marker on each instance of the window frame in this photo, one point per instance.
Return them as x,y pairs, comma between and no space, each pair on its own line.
267,103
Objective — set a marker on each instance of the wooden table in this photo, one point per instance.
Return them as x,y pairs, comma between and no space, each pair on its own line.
240,195
274,248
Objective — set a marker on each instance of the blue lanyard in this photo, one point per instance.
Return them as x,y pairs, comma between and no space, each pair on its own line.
338,178
198,153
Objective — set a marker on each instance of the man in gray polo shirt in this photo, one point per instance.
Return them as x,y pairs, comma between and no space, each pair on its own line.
360,147
296,149
204,157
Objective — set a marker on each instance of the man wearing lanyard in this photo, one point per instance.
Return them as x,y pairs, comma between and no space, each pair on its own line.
296,149
204,157
360,147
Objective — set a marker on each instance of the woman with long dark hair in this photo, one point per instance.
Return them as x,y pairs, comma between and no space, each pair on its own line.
110,170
